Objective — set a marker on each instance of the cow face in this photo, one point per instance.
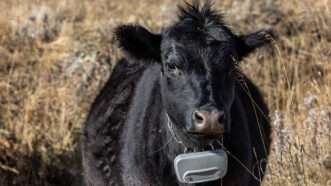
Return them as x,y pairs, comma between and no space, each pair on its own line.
198,79
199,57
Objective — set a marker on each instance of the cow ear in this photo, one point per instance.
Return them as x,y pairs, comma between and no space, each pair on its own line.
138,42
248,43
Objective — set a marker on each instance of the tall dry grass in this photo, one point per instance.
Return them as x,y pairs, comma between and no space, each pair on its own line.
56,55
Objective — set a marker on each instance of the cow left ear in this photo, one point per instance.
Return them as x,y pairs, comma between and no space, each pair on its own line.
248,43
137,42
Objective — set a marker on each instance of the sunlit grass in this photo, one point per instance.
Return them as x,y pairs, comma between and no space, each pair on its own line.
56,55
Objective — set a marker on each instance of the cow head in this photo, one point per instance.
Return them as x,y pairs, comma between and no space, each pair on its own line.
199,56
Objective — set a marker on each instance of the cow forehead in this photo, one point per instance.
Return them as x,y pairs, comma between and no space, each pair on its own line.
187,33
198,49
199,40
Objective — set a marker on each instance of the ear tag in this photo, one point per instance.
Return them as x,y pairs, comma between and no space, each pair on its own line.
198,167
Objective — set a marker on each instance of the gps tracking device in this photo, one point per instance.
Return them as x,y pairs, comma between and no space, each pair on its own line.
198,167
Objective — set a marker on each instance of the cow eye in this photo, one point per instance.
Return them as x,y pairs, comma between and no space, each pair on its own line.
173,69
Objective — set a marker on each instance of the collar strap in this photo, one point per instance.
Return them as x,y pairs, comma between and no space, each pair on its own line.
172,132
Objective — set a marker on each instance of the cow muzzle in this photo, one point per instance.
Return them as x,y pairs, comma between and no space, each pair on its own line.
208,123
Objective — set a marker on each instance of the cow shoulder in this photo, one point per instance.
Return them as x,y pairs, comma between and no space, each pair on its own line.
104,122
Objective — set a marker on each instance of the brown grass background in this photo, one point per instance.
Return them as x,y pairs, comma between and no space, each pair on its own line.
56,55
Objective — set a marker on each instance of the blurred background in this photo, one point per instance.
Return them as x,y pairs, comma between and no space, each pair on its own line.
56,55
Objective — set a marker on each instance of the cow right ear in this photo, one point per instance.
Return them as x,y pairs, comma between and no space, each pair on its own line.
248,43
139,43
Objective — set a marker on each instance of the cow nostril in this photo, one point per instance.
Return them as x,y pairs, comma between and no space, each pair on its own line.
198,117
221,118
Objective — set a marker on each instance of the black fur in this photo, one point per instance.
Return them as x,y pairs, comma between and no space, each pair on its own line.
190,65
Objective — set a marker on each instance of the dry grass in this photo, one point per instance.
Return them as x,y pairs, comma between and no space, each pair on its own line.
56,55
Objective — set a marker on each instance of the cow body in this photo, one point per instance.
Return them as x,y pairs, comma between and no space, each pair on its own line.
127,142
188,77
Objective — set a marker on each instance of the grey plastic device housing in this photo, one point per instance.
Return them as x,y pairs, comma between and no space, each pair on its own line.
198,167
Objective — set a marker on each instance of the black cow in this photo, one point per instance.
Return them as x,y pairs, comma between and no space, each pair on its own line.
182,85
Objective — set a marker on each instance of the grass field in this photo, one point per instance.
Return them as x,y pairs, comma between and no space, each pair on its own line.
56,55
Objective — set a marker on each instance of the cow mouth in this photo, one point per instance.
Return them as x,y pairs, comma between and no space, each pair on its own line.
202,142
214,136
204,137
207,145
